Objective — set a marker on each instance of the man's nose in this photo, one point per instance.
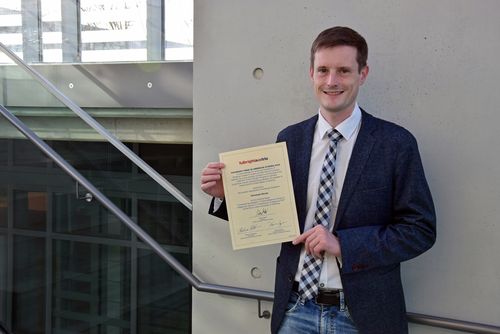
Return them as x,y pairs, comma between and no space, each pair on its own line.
331,79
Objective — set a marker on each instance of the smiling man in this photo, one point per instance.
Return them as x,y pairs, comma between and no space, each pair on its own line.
362,200
336,78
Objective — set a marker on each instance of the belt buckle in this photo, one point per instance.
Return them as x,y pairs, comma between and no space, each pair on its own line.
328,297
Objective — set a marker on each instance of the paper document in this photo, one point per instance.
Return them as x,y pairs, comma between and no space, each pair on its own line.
259,196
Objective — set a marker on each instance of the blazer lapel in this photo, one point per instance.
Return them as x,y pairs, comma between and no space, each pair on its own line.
359,157
301,159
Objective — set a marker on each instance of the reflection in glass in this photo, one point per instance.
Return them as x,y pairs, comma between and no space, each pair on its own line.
3,278
92,156
91,288
164,298
113,30
178,29
78,216
25,154
28,295
3,208
11,27
3,152
175,159
30,210
51,31
167,222
85,272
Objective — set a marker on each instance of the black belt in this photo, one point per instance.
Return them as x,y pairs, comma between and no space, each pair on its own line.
330,297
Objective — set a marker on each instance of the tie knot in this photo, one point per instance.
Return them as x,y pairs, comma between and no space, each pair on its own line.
334,135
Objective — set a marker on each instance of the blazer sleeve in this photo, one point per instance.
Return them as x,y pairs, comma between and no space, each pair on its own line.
410,231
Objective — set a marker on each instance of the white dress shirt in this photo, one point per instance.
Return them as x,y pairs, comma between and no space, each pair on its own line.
349,128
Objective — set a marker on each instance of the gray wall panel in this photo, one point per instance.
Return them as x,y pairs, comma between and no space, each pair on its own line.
433,70
114,85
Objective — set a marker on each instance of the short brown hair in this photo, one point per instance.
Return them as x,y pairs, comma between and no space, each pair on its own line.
341,36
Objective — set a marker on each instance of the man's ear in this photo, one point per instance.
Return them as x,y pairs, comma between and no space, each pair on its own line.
364,74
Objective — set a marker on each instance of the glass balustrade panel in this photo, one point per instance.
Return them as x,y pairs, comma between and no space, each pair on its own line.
67,264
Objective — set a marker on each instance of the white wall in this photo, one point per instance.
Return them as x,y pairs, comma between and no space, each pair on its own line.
434,70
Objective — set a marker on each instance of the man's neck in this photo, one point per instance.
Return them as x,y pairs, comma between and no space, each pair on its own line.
335,118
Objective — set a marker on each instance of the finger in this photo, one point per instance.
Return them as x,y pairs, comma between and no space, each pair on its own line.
208,185
211,171
216,165
301,237
213,168
316,241
310,243
297,240
210,178
318,250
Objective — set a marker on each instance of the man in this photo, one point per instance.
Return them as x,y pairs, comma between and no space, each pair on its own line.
362,200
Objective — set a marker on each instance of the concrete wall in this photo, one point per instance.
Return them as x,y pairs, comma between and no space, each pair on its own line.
434,70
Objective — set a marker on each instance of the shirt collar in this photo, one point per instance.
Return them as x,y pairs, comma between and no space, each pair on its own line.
346,128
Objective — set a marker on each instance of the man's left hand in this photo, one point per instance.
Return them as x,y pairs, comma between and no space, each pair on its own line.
319,240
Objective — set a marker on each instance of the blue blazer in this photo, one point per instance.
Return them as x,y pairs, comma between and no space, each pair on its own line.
385,216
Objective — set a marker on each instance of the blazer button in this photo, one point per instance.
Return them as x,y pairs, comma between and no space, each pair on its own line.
290,278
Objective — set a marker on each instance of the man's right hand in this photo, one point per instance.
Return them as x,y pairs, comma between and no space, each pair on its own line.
211,179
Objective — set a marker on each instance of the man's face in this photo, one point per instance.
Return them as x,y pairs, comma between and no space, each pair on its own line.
336,79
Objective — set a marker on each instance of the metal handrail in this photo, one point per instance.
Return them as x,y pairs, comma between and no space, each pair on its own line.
100,129
147,239
186,274
458,325
3,329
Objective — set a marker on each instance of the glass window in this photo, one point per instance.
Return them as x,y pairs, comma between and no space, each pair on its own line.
92,156
91,288
30,210
3,152
110,30
113,30
3,207
178,30
27,155
3,278
11,27
98,273
51,31
77,216
28,295
167,222
168,159
164,298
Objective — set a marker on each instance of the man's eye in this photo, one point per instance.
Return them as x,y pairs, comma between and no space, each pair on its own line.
322,70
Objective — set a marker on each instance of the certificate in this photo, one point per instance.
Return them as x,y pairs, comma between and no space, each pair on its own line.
259,196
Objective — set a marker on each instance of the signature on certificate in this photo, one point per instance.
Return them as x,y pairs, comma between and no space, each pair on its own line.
261,212
248,228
